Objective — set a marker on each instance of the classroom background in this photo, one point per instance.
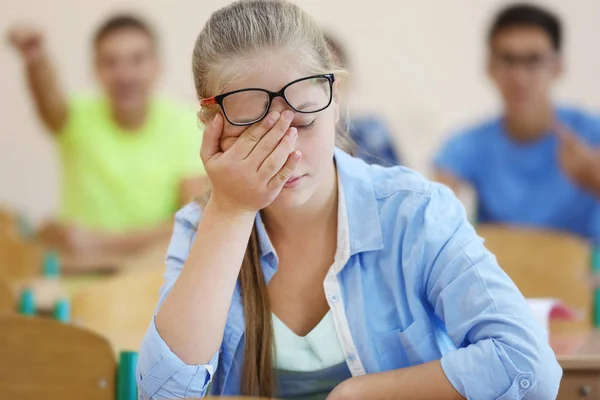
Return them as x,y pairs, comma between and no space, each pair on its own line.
417,64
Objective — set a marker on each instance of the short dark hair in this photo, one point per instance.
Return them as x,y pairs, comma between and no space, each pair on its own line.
523,15
120,22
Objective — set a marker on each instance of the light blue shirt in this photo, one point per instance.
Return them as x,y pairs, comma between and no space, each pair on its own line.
418,286
523,183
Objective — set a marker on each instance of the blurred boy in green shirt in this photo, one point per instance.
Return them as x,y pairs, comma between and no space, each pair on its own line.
129,158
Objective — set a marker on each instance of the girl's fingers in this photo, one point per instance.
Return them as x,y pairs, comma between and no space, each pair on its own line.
271,139
246,143
278,157
287,171
210,140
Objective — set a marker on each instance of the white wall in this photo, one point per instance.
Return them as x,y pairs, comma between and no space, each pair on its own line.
417,63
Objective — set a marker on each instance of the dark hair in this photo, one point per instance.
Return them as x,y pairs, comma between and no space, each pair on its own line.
121,22
522,14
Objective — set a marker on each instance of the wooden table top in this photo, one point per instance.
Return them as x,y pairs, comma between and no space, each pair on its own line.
99,264
577,351
80,273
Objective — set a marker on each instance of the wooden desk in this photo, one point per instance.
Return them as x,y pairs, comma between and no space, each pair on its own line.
81,273
579,356
150,256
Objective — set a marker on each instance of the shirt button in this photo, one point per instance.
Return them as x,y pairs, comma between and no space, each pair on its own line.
333,298
525,383
351,357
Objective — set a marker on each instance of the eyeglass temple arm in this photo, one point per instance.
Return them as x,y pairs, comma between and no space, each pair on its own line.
208,102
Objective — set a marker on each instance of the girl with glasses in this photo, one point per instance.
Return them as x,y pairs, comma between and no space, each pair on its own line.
308,274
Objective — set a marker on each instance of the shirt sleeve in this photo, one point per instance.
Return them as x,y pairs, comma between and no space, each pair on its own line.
160,373
459,157
587,127
594,225
502,353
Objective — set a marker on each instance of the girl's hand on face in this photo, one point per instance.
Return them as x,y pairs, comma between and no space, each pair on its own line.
250,174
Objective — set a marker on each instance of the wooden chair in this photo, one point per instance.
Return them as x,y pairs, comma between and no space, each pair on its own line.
545,264
45,359
120,307
9,224
8,301
20,261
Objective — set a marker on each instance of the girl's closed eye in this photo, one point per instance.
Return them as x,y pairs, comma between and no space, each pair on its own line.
306,126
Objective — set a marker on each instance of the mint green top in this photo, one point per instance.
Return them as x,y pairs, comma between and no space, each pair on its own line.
308,367
318,350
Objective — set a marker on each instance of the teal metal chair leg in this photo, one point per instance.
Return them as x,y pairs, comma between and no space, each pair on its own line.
62,310
596,270
27,303
126,382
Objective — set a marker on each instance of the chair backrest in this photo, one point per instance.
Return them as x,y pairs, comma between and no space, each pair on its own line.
545,264
45,359
8,301
8,223
119,308
20,260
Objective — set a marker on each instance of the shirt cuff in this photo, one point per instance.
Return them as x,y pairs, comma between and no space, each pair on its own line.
160,370
463,369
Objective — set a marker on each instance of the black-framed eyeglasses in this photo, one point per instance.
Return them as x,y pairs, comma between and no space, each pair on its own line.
531,62
247,106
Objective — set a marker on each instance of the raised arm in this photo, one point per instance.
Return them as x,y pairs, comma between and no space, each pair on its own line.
45,90
189,325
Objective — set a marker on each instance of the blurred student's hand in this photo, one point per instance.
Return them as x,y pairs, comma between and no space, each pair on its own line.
27,40
579,161
67,239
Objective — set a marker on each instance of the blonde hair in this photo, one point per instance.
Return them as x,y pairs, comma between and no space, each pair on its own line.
234,36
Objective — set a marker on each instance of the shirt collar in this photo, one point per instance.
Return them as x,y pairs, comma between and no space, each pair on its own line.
359,202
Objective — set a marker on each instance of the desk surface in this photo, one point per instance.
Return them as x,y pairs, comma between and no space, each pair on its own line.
99,269
577,351
99,264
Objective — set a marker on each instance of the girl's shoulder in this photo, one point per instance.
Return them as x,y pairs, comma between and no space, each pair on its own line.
398,191
403,194
390,181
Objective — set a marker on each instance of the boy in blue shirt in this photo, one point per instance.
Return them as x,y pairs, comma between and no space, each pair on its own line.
537,164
